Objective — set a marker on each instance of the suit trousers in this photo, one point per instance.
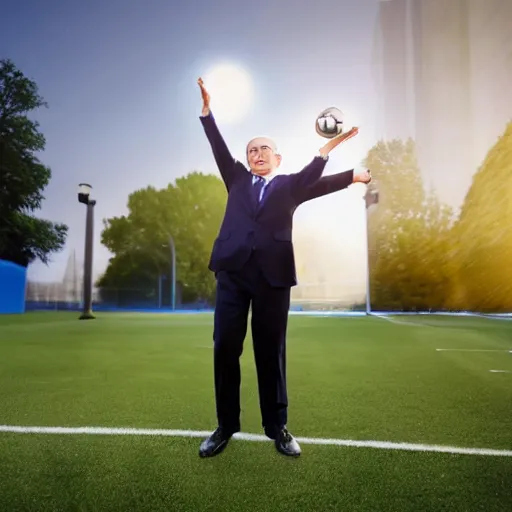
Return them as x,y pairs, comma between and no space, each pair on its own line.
237,292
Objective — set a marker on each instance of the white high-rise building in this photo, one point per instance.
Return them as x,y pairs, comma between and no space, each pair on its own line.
490,28
442,69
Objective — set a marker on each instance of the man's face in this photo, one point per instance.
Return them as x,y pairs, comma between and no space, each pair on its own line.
262,156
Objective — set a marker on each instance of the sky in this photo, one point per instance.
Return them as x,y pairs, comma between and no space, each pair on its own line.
120,81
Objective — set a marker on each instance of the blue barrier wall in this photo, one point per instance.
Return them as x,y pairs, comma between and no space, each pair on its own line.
13,279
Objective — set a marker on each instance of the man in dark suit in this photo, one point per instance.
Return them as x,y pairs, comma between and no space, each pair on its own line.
253,261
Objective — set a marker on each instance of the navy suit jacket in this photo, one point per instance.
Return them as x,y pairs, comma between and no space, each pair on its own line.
264,228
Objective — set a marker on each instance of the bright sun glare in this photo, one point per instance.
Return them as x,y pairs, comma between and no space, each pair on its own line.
231,91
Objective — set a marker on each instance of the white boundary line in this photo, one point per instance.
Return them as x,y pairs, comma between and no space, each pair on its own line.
383,445
473,350
400,322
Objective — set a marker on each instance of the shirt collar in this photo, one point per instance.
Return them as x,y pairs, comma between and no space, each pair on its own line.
268,178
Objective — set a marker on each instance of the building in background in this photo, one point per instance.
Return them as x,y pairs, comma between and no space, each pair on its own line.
490,28
441,71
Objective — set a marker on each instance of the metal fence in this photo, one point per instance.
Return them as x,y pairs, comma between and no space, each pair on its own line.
305,297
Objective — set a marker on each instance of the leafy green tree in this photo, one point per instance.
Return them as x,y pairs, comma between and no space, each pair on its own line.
191,212
408,234
23,238
484,235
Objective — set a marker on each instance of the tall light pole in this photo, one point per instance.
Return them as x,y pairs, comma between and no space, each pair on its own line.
84,197
172,248
371,197
173,270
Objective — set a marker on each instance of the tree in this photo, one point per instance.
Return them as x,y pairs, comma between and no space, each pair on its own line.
191,212
408,234
23,238
484,235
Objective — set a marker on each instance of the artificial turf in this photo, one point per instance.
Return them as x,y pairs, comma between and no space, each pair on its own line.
362,378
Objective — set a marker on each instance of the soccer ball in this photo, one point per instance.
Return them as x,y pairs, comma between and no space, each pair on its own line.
329,123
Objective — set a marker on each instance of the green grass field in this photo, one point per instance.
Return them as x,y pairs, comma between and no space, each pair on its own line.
360,378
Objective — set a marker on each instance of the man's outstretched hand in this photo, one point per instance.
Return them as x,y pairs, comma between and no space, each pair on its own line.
206,97
342,137
362,177
336,141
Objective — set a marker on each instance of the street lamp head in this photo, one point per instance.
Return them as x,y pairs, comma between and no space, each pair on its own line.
372,196
84,193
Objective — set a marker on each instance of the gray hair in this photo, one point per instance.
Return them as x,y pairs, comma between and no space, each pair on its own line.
273,145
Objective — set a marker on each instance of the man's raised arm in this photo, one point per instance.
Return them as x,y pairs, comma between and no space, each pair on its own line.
308,176
227,165
334,183
327,185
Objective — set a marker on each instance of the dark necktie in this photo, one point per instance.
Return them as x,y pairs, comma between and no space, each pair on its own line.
257,187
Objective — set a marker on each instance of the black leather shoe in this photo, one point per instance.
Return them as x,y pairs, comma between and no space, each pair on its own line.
215,444
286,443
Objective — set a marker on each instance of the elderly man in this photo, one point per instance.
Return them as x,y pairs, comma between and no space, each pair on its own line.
254,265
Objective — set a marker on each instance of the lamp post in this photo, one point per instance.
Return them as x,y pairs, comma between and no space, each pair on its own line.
172,277
371,197
84,197
173,270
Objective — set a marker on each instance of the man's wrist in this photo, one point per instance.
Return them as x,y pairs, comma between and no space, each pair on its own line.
323,153
357,176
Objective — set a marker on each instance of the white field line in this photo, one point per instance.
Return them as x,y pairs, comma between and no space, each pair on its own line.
383,445
473,350
400,322
391,317
500,371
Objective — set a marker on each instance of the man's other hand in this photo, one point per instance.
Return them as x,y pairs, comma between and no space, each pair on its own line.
336,141
206,97
347,135
362,176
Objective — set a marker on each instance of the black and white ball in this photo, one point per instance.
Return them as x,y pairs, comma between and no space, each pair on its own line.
329,123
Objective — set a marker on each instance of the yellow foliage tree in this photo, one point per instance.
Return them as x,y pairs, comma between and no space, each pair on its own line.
483,235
